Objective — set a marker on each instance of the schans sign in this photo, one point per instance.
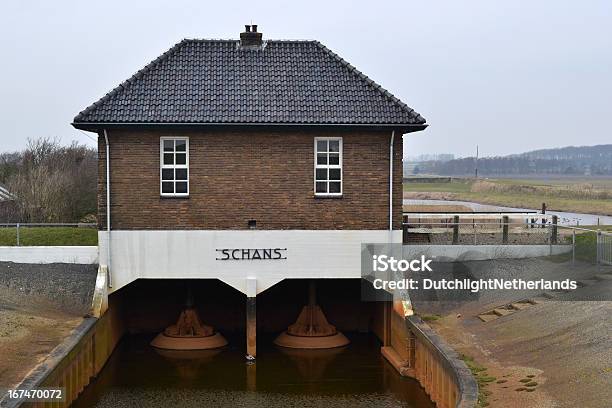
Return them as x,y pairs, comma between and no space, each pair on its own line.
251,254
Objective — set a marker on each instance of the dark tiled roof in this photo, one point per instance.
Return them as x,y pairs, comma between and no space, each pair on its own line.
218,82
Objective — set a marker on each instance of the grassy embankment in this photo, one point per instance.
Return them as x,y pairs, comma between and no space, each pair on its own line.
43,236
561,195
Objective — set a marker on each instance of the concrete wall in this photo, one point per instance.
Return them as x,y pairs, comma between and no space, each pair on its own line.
49,254
453,253
192,254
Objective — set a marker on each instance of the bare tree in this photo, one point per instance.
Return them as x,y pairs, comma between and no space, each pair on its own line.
53,183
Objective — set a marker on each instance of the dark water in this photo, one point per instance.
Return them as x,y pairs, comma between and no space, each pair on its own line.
356,376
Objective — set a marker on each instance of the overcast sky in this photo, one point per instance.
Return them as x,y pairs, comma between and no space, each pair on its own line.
509,76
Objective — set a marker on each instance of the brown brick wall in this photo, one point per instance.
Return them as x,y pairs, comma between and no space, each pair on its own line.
261,174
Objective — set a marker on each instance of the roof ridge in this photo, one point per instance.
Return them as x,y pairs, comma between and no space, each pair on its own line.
138,74
236,39
367,79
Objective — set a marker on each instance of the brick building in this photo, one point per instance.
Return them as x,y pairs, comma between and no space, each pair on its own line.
218,147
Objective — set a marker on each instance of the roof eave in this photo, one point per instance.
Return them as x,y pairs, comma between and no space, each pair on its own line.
98,126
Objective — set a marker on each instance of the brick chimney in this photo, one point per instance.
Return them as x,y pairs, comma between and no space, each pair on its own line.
250,37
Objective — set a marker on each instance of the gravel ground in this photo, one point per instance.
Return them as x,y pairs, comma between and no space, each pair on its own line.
66,287
564,344
237,399
27,335
466,237
39,306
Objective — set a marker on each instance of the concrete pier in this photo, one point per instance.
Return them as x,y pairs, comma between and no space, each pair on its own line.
251,317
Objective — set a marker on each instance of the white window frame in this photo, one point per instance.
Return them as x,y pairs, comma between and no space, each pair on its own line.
163,166
328,166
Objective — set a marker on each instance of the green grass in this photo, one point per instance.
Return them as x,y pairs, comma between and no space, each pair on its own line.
482,378
455,186
586,245
49,236
599,183
558,195
431,318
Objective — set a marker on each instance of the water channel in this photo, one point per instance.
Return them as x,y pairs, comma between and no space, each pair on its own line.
565,218
354,376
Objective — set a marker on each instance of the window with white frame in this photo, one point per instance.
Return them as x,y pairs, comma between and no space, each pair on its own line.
174,159
328,166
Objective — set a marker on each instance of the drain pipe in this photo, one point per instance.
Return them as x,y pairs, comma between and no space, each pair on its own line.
108,212
404,306
391,181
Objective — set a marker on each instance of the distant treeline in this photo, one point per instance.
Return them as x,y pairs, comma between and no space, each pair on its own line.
49,183
584,160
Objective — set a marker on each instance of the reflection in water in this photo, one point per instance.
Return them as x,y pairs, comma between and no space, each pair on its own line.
188,362
311,363
355,376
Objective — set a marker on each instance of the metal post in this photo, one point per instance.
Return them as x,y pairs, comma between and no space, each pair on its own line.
573,246
505,220
598,260
251,319
456,229
17,234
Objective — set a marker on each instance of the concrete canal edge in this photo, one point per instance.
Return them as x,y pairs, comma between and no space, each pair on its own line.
73,363
54,362
451,366
417,351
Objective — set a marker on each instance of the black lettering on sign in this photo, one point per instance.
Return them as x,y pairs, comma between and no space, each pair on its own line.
223,254
250,254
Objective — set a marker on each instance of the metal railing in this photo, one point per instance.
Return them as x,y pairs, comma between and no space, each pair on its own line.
593,246
604,248
469,231
20,227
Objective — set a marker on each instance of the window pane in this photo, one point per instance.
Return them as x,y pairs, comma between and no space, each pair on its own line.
321,187
322,174
167,187
334,187
181,187
181,145
167,174
168,158
321,145
322,158
168,145
181,158
334,145
181,174
334,159
334,174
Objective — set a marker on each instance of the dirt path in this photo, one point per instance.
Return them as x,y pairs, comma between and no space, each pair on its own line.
27,335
